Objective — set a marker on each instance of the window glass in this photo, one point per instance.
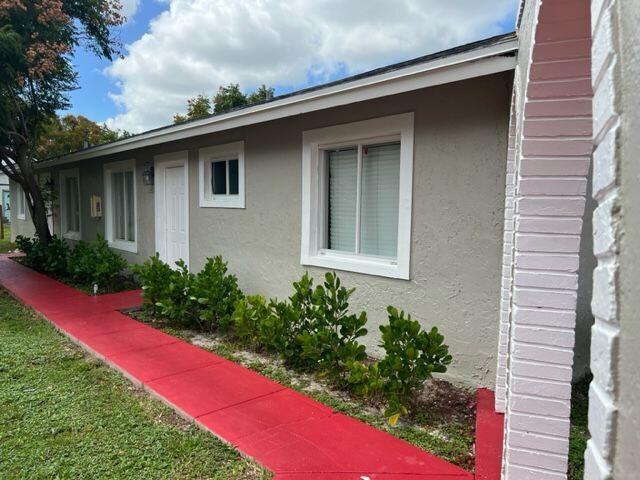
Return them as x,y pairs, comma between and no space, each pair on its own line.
380,193
130,205
233,177
219,177
72,207
342,198
118,200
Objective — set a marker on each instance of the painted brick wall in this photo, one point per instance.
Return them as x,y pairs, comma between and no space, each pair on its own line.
554,153
605,331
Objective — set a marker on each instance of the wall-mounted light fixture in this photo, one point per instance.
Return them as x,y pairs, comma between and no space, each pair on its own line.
147,174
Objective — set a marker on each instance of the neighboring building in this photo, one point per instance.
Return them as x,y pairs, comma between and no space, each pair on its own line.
456,186
5,198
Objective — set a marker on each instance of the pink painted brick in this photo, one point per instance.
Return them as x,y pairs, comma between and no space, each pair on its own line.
577,147
567,107
580,67
556,206
539,424
555,166
536,353
563,11
559,51
546,261
550,318
539,406
539,442
544,335
560,89
529,242
560,127
538,459
560,373
528,297
563,30
563,225
562,281
553,186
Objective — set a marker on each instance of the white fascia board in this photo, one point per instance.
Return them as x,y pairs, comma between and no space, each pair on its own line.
475,63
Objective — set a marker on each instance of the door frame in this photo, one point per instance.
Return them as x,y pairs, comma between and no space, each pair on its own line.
161,163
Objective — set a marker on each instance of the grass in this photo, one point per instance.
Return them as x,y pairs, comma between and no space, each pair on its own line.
579,432
63,415
444,426
5,242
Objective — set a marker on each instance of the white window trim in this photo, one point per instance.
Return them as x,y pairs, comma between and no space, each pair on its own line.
66,233
123,166
161,163
211,154
22,195
313,141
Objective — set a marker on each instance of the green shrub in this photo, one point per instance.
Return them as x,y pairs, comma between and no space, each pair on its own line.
249,315
177,303
51,259
216,293
155,277
412,355
95,263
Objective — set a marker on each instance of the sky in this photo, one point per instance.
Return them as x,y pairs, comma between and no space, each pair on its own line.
176,49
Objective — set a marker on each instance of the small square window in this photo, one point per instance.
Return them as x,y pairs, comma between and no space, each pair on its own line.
222,176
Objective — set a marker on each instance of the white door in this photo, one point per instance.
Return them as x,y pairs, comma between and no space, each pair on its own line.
172,208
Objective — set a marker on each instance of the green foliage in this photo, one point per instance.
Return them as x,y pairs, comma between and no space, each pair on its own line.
197,107
95,263
262,94
155,277
228,98
178,303
249,317
87,264
216,293
412,356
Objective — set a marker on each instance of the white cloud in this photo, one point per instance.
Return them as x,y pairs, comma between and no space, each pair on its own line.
129,8
198,45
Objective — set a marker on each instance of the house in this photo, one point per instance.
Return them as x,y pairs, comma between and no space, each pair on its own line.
5,198
456,186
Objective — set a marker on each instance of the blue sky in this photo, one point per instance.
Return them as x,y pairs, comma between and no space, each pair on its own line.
176,49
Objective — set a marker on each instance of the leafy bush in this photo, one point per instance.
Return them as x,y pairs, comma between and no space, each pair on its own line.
178,303
51,259
249,316
95,263
216,293
155,277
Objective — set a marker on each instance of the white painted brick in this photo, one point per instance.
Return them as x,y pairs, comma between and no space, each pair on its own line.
547,261
603,104
543,279
538,459
601,421
553,186
604,349
565,225
538,353
526,242
557,206
603,300
544,335
514,472
546,371
539,424
539,442
525,297
601,46
604,163
604,226
540,388
595,467
551,318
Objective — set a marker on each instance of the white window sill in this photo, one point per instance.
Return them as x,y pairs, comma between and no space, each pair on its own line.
357,263
222,203
72,235
124,245
21,217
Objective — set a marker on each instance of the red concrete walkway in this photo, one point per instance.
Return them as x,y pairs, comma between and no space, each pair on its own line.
288,433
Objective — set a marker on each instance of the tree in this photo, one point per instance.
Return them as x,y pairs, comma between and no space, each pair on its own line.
262,94
62,135
37,40
228,98
197,107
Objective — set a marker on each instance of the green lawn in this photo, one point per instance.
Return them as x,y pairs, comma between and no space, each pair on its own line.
5,242
64,415
579,433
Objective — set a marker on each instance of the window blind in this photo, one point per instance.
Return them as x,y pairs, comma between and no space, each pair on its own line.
342,199
71,204
380,192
